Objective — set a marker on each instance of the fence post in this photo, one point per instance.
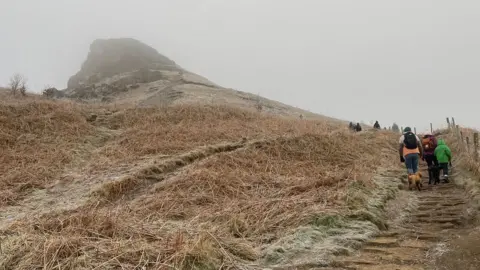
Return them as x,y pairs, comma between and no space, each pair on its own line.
431,128
475,146
461,136
453,122
448,122
415,130
467,140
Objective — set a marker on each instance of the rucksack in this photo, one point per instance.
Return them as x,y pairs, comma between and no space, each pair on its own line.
428,144
410,140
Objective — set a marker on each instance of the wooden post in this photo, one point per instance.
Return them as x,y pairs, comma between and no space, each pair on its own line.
461,136
468,144
448,122
431,128
453,122
415,130
475,146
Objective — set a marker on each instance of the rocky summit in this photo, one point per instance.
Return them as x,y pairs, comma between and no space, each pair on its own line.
109,57
125,71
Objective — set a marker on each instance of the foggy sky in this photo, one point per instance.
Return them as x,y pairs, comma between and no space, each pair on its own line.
406,61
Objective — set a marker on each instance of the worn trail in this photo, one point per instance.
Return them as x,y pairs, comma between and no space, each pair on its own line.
440,214
80,187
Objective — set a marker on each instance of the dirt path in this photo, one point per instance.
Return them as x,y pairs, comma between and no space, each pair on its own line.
410,246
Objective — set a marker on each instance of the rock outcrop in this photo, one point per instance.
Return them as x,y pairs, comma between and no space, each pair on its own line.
110,57
127,72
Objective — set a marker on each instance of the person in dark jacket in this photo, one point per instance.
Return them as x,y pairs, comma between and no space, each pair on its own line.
358,128
429,143
376,125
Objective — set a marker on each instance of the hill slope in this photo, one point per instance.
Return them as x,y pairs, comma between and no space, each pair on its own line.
126,71
160,168
186,186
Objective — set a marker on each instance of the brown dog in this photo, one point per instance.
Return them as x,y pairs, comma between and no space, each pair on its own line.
415,180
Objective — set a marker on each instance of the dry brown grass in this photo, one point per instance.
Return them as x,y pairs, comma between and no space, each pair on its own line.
215,187
216,213
37,140
173,130
463,154
274,185
156,172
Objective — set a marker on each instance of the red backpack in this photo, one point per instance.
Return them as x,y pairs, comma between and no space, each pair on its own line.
428,144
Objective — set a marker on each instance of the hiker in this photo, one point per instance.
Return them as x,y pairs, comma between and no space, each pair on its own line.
410,150
351,126
429,143
444,157
376,125
358,128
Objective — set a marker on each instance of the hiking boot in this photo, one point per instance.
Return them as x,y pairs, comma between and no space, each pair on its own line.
431,176
435,175
445,178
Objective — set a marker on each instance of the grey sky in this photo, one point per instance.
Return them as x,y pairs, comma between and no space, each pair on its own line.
356,60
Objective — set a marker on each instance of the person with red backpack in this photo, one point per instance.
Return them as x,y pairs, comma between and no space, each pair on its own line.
410,150
429,143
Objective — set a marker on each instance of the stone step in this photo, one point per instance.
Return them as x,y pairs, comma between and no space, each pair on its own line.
391,267
442,203
433,208
414,243
440,220
391,233
383,242
425,237
439,198
437,214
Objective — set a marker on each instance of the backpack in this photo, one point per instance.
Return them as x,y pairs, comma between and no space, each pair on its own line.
410,140
428,144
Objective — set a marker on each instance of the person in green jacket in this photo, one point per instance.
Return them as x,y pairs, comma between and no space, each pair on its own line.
444,157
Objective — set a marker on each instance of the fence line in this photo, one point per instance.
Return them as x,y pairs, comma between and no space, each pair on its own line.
464,138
